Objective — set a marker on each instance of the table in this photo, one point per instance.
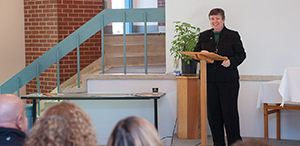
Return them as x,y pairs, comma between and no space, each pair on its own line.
289,87
93,96
268,93
274,94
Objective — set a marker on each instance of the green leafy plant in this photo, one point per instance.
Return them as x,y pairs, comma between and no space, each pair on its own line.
185,39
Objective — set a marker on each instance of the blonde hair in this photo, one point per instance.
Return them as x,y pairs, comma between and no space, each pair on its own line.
134,131
64,124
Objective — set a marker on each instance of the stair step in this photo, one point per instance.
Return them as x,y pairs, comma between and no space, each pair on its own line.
131,38
137,60
134,55
114,61
155,69
135,48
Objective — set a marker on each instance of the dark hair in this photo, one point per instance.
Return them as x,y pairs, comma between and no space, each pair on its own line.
217,11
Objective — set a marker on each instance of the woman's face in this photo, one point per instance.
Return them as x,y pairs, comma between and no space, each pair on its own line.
216,22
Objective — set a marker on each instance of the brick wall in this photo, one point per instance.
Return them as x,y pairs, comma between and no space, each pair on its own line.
72,15
47,22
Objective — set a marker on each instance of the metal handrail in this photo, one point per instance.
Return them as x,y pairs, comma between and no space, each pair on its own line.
78,37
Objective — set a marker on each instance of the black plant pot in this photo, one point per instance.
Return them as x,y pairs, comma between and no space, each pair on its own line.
188,69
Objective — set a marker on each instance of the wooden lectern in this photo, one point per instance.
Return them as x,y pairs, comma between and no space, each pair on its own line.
204,57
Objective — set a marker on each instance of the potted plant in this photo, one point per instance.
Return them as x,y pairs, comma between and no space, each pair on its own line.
185,39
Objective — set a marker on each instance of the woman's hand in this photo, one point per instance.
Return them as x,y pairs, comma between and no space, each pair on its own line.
226,63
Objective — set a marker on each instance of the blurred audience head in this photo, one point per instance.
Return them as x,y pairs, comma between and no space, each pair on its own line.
134,131
252,142
13,113
63,124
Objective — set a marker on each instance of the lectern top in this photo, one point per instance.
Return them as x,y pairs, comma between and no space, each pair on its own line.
207,56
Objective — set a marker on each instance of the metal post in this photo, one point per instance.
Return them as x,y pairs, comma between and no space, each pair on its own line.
102,42
78,59
124,41
145,42
38,86
18,86
38,77
58,77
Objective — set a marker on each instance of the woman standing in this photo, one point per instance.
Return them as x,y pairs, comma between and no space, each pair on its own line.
222,78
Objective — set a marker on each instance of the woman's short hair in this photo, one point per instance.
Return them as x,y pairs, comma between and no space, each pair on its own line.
134,131
63,124
217,11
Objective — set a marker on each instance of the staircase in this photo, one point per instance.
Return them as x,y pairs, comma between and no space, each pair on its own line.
114,61
135,53
94,25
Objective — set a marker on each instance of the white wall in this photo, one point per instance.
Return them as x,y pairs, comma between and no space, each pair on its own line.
251,118
144,3
136,3
12,44
266,28
269,29
106,114
270,33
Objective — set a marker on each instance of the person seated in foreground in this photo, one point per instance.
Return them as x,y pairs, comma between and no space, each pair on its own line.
252,142
63,124
134,131
13,120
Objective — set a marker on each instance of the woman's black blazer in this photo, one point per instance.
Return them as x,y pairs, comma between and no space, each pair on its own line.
229,45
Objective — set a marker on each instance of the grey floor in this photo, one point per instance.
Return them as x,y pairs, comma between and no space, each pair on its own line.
195,142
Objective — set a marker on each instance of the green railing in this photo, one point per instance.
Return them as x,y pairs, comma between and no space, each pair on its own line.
79,36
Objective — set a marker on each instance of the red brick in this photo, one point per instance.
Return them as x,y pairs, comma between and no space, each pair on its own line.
62,7
73,23
67,1
26,7
62,15
46,2
93,7
78,19
88,2
42,6
83,7
78,2
34,7
100,3
72,6
88,11
38,2
78,11
31,11
60,18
